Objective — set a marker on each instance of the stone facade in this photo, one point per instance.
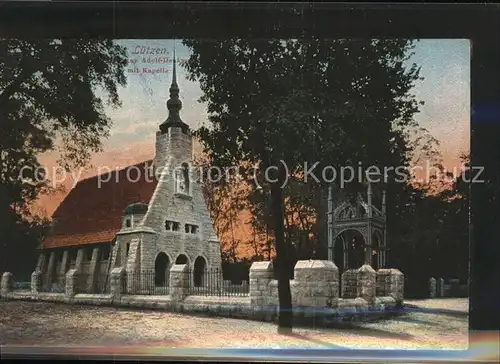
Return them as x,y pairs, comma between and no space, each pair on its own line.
315,284
349,283
174,225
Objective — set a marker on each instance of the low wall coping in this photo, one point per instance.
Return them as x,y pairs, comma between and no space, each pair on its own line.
266,266
315,264
366,268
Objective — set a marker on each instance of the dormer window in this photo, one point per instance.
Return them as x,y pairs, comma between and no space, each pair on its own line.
128,222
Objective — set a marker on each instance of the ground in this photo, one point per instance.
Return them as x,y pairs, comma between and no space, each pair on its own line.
49,324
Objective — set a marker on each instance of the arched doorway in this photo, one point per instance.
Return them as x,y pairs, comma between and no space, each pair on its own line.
355,250
349,250
199,272
162,264
182,259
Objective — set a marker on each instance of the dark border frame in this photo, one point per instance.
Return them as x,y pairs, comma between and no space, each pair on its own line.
478,22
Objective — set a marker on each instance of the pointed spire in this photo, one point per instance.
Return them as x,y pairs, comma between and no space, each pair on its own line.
174,73
174,104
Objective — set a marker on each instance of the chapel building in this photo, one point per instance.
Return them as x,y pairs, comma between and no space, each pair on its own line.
144,217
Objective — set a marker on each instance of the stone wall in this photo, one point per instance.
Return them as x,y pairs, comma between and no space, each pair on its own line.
314,292
349,283
172,150
316,284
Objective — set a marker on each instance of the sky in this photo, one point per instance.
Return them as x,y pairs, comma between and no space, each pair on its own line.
445,90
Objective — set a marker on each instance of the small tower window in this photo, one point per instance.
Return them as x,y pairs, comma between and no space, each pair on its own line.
128,222
128,248
168,225
187,228
185,175
182,179
175,226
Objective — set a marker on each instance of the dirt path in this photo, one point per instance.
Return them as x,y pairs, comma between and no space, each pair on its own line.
36,323
451,304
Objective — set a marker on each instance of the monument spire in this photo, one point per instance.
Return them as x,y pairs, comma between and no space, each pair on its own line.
174,104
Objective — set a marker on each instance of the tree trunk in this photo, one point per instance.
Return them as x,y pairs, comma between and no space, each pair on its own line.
285,298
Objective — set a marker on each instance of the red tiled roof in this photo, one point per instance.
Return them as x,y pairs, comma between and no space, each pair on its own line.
92,211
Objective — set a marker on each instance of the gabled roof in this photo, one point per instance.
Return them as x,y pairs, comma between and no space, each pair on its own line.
92,211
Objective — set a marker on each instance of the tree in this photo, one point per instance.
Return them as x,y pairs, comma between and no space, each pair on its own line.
334,102
225,200
52,98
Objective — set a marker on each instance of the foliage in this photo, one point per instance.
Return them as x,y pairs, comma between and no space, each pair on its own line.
52,98
335,102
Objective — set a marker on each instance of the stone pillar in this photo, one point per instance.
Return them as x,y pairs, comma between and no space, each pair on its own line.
93,271
366,284
78,285
383,278
51,268
136,280
440,287
36,280
80,256
71,282
6,284
261,275
179,281
115,255
40,262
349,283
64,266
432,287
117,282
316,284
396,285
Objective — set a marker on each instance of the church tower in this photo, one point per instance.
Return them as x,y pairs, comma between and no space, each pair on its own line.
181,229
174,143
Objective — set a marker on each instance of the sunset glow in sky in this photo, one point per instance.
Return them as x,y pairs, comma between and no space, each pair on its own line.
445,66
